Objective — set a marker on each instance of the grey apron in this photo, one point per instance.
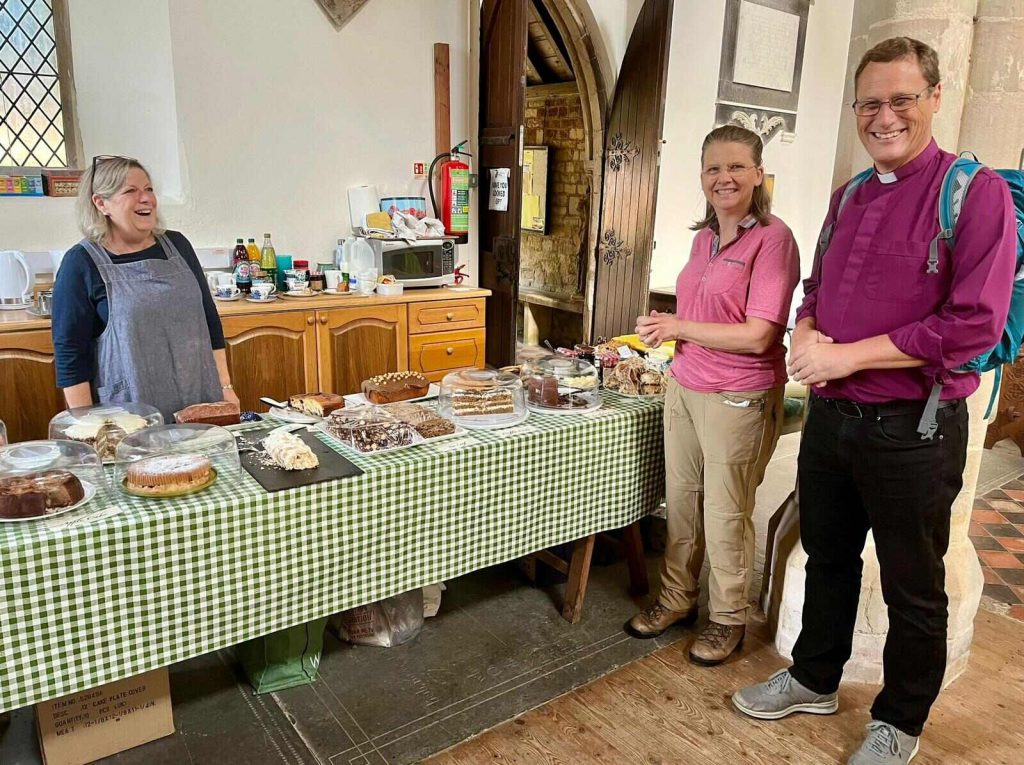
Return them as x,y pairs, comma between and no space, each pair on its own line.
156,348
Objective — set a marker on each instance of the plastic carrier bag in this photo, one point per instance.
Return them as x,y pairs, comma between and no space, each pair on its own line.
387,623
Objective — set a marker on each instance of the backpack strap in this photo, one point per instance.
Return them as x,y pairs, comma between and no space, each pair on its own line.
826,232
952,194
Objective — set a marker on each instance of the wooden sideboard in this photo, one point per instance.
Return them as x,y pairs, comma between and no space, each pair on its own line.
285,347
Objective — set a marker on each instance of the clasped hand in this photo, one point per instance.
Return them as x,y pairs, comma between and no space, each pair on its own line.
816,359
658,328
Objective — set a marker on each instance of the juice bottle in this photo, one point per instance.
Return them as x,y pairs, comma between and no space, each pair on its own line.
243,273
253,250
268,259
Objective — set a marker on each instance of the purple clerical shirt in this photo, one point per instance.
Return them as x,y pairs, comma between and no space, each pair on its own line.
872,281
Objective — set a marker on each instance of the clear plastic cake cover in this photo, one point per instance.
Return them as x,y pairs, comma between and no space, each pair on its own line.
559,384
46,464
104,425
369,429
175,460
482,398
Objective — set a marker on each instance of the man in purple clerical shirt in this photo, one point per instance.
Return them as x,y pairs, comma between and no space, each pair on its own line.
874,333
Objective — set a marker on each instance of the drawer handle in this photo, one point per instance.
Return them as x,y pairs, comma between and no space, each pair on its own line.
323,319
310,320
449,350
450,316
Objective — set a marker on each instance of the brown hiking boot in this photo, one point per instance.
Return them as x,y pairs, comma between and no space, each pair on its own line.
716,643
656,618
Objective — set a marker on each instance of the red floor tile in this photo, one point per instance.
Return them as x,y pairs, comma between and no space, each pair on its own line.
1000,559
1020,592
1015,494
987,516
976,530
1013,544
1016,612
991,577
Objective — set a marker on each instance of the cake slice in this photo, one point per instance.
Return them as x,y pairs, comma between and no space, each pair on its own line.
215,413
316,404
395,386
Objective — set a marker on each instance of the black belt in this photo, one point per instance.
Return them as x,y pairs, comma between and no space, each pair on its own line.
855,410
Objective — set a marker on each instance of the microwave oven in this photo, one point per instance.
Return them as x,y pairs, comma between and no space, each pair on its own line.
421,263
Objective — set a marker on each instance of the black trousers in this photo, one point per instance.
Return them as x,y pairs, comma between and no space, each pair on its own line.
861,472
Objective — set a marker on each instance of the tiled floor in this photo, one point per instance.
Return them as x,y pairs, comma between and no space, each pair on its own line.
997,531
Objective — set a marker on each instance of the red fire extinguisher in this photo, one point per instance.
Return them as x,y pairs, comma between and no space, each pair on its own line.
454,207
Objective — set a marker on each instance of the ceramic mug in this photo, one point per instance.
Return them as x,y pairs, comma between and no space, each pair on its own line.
333,279
263,290
225,279
227,291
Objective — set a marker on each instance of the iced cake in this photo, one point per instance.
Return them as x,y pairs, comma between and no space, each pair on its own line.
317,404
395,386
104,432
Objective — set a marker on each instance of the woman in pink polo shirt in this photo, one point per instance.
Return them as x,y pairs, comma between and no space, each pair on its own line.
723,407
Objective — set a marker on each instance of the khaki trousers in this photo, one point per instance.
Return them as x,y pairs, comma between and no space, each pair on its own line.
717,446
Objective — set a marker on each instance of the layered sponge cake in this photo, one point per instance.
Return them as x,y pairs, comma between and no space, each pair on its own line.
170,474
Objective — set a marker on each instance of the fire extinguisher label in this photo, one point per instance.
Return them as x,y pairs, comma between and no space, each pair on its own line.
459,200
499,189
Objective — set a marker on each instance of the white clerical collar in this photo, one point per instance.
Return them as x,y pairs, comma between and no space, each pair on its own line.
887,177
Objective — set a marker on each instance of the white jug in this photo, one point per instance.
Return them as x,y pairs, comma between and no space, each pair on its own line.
15,279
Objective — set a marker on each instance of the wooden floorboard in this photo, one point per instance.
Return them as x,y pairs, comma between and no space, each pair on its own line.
663,709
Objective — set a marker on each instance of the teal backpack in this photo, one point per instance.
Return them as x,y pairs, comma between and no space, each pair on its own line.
951,201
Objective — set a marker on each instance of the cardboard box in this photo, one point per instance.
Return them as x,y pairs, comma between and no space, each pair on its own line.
61,183
87,726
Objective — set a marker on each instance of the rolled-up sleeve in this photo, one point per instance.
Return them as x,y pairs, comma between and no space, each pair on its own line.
984,259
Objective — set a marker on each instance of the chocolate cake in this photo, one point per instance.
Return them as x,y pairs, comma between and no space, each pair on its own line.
33,494
316,404
214,413
427,423
395,386
170,474
369,433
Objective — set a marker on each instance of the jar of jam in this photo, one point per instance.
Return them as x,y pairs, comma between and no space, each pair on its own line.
317,283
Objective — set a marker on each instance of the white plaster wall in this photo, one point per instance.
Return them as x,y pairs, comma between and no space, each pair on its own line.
803,168
272,116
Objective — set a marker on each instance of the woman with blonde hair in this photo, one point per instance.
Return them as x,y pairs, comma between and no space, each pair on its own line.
133,318
723,406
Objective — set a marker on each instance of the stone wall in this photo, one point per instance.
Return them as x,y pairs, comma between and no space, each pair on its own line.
551,262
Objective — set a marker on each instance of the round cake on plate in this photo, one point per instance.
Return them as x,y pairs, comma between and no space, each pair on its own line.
169,474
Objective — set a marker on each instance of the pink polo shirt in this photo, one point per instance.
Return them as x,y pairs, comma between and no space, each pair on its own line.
754,275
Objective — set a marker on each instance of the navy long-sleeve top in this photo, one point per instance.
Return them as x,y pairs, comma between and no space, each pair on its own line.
80,307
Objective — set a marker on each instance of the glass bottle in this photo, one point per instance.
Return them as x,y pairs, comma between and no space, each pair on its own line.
243,273
268,259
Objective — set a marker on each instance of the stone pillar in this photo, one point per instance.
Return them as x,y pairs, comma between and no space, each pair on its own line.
946,25
963,578
993,120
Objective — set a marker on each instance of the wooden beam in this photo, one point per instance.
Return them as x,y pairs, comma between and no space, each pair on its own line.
442,99
563,89
66,78
532,75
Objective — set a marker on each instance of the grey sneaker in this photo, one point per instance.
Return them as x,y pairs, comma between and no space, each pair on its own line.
782,695
885,745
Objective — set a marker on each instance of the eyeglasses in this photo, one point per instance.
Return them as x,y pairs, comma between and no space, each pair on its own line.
731,170
902,103
95,163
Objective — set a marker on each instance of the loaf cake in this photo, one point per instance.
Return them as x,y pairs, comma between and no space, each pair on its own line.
316,404
170,474
427,422
290,452
395,386
34,494
104,432
214,413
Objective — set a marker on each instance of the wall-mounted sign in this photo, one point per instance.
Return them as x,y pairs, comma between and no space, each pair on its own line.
535,188
498,197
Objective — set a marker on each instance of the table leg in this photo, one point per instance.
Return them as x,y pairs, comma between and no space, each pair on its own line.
634,549
579,573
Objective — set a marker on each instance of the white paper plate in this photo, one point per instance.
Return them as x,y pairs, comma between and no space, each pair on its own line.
90,492
358,399
289,415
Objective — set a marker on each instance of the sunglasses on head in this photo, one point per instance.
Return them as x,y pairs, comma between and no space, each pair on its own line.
96,161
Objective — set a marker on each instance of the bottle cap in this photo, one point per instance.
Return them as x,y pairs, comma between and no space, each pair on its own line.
238,241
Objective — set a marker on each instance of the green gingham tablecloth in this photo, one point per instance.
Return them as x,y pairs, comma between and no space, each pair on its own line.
127,585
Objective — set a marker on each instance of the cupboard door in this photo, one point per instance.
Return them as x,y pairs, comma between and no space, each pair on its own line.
271,354
29,396
438,354
358,343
